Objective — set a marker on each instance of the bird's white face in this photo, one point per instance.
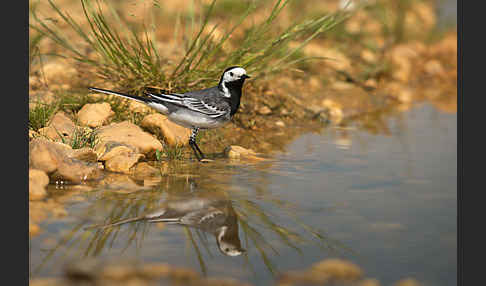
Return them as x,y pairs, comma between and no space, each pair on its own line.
234,74
229,249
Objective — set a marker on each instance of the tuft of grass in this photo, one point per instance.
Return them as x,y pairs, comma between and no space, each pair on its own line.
72,102
40,115
133,61
170,152
81,138
262,50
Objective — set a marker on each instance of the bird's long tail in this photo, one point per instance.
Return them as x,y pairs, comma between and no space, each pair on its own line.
134,97
124,221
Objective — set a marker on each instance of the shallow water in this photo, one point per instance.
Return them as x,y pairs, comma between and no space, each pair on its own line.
383,199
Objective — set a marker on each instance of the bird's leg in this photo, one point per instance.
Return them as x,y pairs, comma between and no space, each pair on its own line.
200,152
195,151
192,142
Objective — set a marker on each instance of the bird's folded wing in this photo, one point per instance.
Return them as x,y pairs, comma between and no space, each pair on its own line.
203,216
191,103
203,107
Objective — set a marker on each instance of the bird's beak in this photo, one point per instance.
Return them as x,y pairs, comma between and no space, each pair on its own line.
245,76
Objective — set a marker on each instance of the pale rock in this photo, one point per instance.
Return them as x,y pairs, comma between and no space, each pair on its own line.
433,67
401,57
95,114
54,158
59,125
111,149
172,133
403,69
368,56
38,180
128,134
315,83
333,110
143,170
400,92
371,82
45,155
420,18
84,154
122,163
238,152
280,123
235,151
264,110
77,171
284,112
341,85
405,95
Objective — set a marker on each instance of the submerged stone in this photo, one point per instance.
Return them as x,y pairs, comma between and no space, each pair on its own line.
143,170
122,162
38,180
238,152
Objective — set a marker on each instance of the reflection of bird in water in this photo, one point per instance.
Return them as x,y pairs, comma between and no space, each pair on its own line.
212,215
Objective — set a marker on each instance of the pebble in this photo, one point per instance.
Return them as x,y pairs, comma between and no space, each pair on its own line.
95,114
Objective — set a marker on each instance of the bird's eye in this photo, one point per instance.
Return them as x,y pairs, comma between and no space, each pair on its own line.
231,73
226,250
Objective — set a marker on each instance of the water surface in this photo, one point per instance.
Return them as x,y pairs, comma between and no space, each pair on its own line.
382,196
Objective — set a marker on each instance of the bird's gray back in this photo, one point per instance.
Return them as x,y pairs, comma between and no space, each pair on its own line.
212,96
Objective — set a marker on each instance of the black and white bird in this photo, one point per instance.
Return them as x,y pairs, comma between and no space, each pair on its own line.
200,109
213,215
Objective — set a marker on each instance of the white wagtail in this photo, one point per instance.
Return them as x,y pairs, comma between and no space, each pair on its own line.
212,215
200,109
